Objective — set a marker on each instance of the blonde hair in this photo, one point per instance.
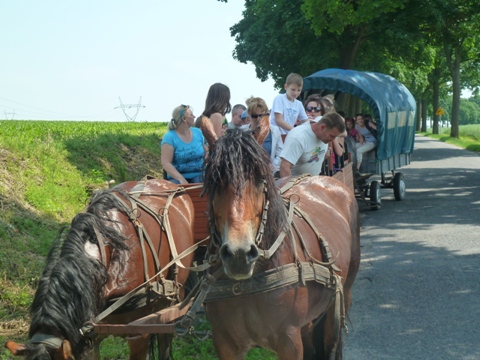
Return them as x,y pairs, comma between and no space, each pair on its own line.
294,79
328,104
254,103
177,116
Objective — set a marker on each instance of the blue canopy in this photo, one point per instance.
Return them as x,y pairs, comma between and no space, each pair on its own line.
392,104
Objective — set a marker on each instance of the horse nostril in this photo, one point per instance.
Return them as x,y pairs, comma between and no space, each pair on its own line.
252,255
225,252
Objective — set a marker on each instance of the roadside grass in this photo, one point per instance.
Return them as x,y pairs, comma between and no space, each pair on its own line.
48,172
469,137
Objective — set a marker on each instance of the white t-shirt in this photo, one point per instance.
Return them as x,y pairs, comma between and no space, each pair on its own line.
291,111
304,150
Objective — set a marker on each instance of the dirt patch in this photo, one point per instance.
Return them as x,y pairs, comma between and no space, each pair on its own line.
16,329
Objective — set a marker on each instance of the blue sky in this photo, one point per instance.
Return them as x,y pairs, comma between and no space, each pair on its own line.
72,60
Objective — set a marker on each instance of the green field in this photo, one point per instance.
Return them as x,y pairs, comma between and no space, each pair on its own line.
48,172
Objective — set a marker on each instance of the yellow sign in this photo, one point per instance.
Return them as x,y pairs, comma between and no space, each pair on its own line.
439,111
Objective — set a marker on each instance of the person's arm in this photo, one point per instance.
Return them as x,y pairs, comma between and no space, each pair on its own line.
217,122
282,123
166,159
372,127
361,139
337,147
278,149
285,168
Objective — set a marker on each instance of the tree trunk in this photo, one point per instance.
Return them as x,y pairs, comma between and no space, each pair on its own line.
424,114
455,120
453,58
436,92
418,116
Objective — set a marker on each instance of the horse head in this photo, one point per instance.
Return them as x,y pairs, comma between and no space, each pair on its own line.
239,183
53,348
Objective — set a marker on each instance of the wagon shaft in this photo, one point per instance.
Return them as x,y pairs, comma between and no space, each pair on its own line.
156,323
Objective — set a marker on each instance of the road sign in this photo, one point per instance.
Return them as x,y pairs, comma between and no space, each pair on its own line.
439,111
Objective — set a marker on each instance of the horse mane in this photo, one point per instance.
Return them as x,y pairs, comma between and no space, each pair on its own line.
235,160
69,291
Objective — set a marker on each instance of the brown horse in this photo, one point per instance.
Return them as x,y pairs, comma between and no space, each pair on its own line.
121,241
288,269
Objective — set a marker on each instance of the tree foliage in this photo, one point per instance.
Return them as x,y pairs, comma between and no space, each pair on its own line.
426,44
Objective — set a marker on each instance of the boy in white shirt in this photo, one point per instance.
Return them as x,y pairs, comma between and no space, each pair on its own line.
286,108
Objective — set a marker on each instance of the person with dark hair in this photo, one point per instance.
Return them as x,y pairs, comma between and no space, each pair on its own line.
313,107
217,106
351,131
305,145
183,149
371,124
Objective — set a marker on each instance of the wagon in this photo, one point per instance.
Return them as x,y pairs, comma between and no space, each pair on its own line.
393,107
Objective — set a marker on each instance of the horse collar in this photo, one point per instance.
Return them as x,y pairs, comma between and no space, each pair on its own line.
50,340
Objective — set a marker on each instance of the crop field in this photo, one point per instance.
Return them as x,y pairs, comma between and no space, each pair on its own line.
48,172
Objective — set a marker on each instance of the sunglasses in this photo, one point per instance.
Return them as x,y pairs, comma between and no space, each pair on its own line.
311,108
184,108
256,116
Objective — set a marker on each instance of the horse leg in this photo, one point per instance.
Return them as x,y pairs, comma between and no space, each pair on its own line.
332,342
96,347
164,342
289,345
227,347
138,347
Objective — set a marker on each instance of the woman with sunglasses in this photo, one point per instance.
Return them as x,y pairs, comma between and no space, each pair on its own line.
273,144
317,106
183,149
313,106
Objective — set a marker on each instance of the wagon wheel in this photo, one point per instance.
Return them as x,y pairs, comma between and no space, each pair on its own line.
375,196
399,186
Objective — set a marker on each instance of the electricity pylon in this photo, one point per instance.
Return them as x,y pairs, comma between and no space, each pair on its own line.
9,114
129,106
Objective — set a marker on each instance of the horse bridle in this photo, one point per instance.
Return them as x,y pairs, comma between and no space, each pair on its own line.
266,254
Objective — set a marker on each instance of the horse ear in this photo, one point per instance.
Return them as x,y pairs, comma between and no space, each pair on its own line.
262,130
207,129
66,350
16,349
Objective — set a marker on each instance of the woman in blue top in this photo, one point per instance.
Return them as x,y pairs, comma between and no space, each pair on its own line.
183,149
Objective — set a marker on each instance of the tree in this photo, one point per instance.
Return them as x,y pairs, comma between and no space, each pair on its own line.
282,36
458,23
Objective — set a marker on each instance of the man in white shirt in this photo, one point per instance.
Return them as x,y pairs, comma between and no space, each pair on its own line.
305,145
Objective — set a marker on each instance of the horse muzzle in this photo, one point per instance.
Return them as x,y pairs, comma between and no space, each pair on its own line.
239,261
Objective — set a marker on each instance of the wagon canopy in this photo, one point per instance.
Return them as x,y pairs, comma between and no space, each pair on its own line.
392,103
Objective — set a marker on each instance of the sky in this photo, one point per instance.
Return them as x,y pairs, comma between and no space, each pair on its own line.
73,60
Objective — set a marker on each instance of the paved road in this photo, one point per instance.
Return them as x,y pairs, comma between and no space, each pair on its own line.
417,294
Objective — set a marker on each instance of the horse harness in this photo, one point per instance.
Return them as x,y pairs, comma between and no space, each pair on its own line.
162,287
299,272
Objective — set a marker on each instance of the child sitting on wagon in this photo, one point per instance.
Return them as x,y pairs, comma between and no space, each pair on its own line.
351,131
